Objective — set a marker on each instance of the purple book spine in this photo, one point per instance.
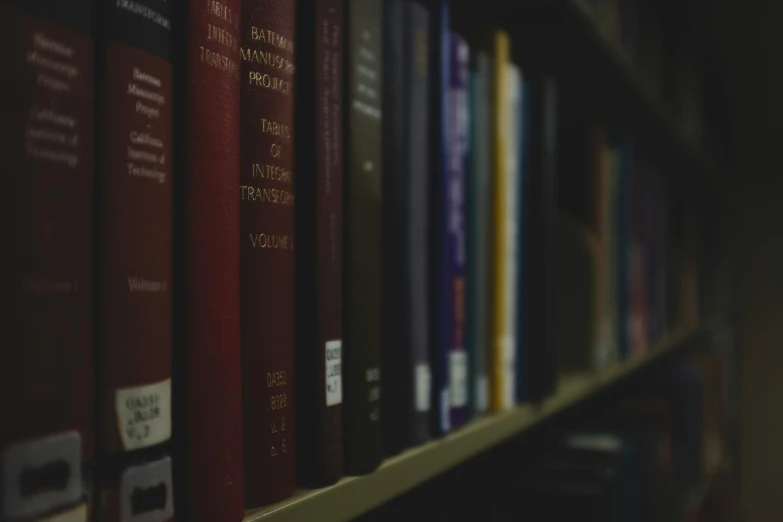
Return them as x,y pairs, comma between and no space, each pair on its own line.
458,370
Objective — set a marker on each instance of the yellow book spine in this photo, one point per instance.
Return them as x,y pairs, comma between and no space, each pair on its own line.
498,285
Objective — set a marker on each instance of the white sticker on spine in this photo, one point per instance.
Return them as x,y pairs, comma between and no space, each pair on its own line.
458,378
144,415
42,475
334,372
146,493
422,381
78,514
482,393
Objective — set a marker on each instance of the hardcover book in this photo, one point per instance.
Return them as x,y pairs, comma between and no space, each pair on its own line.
405,401
46,281
454,185
319,248
501,342
362,240
542,202
135,216
440,275
524,303
267,242
212,389
478,208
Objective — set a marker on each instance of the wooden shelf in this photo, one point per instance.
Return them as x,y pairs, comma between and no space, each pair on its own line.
353,496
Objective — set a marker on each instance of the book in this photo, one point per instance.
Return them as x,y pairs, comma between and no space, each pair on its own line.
405,359
522,355
46,281
541,201
138,492
362,242
267,242
456,246
499,342
212,466
623,243
319,227
135,146
440,273
478,196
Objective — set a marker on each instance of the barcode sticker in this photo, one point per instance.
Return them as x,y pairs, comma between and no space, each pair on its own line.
53,462
482,393
445,410
423,380
144,414
146,493
334,375
458,378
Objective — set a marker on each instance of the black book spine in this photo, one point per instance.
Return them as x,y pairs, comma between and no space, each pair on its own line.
417,59
396,349
542,210
362,240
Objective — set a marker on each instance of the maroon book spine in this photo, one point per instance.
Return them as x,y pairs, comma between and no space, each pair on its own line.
319,106
46,340
212,389
266,199
135,216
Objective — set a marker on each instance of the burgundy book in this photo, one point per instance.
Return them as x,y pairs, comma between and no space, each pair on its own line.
212,394
319,100
266,199
135,217
140,492
46,359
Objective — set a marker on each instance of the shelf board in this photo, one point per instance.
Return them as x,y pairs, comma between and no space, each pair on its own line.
353,496
643,91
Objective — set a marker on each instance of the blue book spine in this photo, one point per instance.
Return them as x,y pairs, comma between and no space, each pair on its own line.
440,56
456,248
523,295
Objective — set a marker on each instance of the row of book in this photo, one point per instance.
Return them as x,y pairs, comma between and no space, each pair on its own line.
657,449
292,237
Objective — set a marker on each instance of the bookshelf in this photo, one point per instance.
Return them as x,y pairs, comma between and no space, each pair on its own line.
353,496
564,38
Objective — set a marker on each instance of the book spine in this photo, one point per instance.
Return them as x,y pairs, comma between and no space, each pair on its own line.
496,342
478,232
454,196
396,348
510,260
319,98
46,328
543,208
440,62
362,263
141,492
523,368
212,390
135,209
418,131
266,194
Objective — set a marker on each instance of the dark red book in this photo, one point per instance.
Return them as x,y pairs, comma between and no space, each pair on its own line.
212,392
135,217
319,180
266,197
46,359
141,492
